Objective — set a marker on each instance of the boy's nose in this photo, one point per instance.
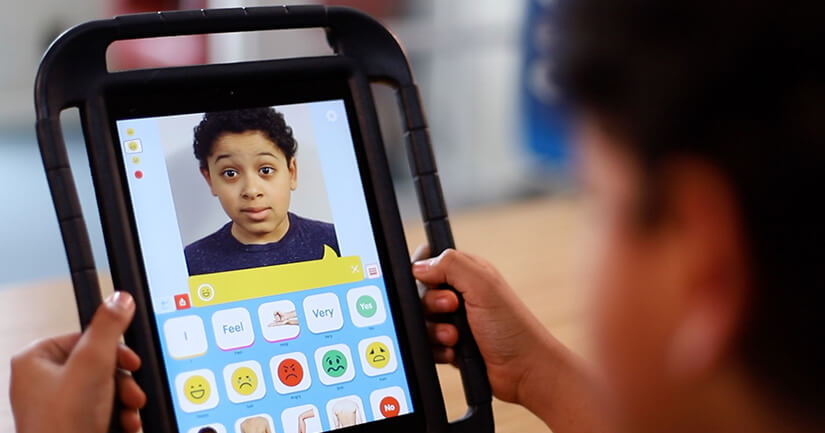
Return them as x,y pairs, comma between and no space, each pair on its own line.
251,190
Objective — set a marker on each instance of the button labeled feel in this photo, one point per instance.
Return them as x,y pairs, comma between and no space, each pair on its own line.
233,329
323,313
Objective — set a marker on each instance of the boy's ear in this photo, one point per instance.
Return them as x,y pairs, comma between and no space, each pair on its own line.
208,179
713,276
293,173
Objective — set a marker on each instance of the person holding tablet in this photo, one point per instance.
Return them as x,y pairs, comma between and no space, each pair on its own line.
701,145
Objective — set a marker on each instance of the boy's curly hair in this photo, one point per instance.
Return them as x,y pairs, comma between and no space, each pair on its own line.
264,119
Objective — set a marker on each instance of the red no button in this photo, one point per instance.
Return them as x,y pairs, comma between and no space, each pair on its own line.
389,406
182,301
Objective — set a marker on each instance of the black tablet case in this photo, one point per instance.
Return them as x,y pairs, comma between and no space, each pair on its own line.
70,75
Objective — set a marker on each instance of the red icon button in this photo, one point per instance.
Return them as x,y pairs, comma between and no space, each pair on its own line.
389,406
182,301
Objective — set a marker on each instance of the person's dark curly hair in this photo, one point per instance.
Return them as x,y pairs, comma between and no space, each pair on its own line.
739,84
264,119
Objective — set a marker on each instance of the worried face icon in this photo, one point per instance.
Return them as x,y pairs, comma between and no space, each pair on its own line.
378,355
334,363
244,380
290,372
196,389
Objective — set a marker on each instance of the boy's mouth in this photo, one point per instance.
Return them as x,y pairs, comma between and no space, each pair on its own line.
257,213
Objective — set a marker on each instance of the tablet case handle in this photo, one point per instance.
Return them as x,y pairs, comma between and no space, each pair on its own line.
350,33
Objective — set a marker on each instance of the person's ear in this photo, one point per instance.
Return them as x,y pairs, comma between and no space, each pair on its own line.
208,178
293,173
711,272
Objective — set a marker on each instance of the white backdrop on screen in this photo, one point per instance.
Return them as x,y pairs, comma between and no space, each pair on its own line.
199,213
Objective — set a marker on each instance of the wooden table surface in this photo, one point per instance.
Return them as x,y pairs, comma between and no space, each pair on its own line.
530,242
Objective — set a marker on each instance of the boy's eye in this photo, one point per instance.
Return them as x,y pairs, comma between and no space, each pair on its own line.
267,170
230,173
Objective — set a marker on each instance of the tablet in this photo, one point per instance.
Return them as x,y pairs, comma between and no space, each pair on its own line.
248,208
267,286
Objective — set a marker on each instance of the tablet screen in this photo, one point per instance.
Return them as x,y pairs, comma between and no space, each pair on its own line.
262,266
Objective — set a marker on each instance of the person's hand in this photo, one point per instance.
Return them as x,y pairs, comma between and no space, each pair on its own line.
525,364
68,383
509,336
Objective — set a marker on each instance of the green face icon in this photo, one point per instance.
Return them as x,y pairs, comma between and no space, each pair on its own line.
335,363
366,306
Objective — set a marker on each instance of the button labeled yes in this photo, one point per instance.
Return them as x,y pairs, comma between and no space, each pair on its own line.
323,313
366,306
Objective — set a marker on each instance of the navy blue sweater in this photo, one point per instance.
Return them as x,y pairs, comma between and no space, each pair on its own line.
220,251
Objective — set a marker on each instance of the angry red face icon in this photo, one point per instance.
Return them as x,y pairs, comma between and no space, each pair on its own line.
290,372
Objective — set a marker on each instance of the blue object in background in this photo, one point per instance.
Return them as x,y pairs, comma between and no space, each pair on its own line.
544,120
30,244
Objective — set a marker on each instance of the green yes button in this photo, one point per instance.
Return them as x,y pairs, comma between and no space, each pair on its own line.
366,306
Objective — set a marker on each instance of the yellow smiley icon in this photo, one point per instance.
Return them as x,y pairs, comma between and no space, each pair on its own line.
244,380
378,355
197,389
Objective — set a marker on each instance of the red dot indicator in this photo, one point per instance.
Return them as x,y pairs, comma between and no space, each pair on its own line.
139,174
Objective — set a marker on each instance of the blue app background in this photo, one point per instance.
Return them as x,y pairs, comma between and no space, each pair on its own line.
162,249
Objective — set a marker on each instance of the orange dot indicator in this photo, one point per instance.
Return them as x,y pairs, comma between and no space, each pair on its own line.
139,174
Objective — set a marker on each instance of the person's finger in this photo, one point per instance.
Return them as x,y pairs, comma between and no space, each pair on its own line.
443,334
99,343
439,301
422,251
444,355
129,392
127,359
453,268
130,421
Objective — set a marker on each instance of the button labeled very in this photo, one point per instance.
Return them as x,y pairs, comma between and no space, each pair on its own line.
323,313
185,337
233,329
366,306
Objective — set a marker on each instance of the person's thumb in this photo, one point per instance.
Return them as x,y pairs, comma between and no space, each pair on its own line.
97,347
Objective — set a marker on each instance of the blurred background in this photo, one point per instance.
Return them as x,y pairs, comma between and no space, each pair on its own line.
480,64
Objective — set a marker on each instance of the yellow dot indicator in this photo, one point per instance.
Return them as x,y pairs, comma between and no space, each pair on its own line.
196,389
130,131
136,160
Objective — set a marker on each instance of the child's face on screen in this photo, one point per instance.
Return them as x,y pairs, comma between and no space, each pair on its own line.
253,180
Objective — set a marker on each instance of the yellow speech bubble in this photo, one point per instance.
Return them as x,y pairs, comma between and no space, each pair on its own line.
231,286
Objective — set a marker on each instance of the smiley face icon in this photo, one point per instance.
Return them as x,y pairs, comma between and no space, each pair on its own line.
378,355
290,372
244,380
197,389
